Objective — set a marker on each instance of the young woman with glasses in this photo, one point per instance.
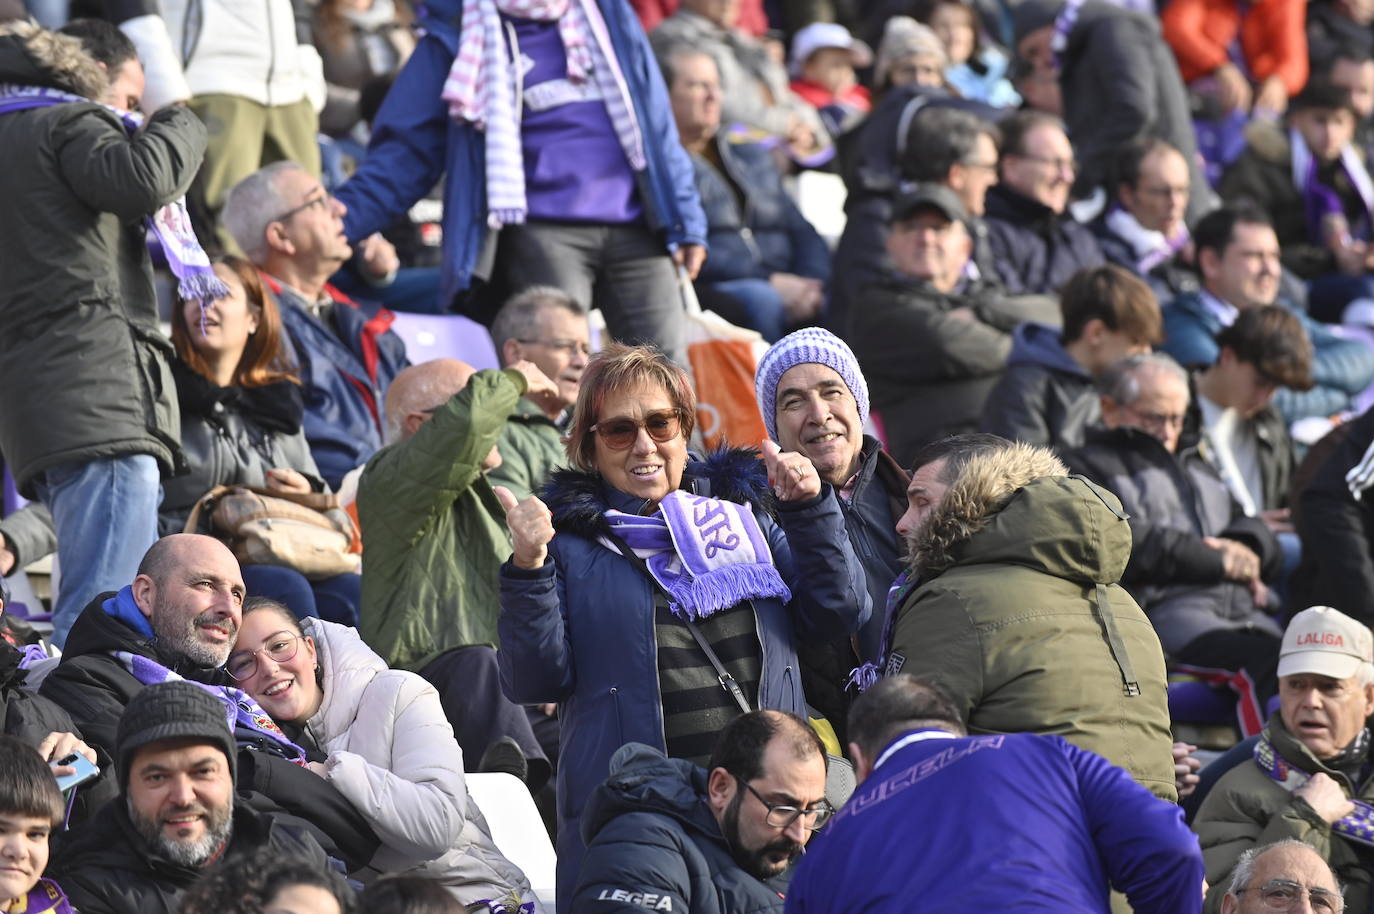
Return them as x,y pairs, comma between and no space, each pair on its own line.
381,738
655,593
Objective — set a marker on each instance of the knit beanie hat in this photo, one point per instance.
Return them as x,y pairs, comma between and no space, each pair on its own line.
810,344
172,710
905,37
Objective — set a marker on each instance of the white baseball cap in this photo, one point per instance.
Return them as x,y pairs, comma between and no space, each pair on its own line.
820,35
1326,642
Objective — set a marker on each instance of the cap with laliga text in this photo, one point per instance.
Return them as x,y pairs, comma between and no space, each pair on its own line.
1326,642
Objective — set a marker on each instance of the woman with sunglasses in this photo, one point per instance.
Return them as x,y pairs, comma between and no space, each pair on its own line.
381,738
241,415
641,554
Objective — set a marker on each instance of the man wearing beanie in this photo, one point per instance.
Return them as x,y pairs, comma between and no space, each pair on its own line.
178,619
814,400
1309,778
176,813
1119,80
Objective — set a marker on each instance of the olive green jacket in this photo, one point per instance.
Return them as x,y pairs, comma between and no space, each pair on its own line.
1020,616
1247,808
531,449
434,535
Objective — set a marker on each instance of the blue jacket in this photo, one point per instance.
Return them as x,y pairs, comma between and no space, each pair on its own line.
345,371
1341,367
652,843
1045,397
765,235
1010,822
415,143
580,630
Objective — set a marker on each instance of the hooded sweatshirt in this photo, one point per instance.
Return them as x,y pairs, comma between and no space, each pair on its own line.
1045,397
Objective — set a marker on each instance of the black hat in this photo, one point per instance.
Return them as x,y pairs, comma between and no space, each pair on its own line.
1029,15
1323,95
930,196
172,710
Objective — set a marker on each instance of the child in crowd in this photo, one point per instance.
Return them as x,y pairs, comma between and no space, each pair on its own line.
824,58
977,70
30,808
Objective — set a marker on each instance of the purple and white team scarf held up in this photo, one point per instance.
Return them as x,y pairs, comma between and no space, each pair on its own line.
708,555
171,225
484,90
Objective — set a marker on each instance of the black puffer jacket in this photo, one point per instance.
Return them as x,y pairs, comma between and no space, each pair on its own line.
79,338
1174,502
109,869
1035,249
649,833
930,370
94,687
232,436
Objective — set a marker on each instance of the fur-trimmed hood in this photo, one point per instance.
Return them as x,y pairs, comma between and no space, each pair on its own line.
1019,506
579,500
34,56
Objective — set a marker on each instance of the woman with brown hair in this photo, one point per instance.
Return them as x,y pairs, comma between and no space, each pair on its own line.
643,557
241,413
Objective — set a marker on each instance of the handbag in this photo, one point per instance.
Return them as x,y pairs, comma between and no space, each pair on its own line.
305,531
722,359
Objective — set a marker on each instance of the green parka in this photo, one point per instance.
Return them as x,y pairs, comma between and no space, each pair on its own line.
83,365
531,449
1020,616
1247,808
434,534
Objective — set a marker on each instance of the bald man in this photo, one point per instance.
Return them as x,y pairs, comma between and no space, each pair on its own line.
180,616
434,536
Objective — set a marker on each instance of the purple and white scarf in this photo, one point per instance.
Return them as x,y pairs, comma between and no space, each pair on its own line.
1358,826
171,225
863,677
1149,247
241,712
707,555
484,90
1320,201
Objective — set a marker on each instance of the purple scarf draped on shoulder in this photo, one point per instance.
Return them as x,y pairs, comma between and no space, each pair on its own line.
171,224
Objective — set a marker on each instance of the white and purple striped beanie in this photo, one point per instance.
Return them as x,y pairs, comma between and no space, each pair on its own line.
810,344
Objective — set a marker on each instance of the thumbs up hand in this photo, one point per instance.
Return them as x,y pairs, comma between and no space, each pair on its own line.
791,475
531,528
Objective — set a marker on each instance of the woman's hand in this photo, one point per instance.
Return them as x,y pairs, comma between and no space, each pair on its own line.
319,768
531,528
288,480
791,475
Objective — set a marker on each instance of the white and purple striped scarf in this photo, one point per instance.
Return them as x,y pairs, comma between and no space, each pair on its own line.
171,225
241,712
483,89
707,555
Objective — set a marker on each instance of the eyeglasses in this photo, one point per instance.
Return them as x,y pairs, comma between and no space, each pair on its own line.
1056,163
621,433
323,201
1165,192
1158,420
568,346
1284,895
985,166
780,816
281,647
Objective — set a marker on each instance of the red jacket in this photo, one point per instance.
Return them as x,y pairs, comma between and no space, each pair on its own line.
818,97
751,15
1273,37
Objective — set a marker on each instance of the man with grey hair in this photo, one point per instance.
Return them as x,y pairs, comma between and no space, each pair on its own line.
1197,561
291,228
545,326
1308,779
434,535
1275,877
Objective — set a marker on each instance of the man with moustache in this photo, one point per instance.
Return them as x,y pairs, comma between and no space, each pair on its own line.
666,835
178,619
176,813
